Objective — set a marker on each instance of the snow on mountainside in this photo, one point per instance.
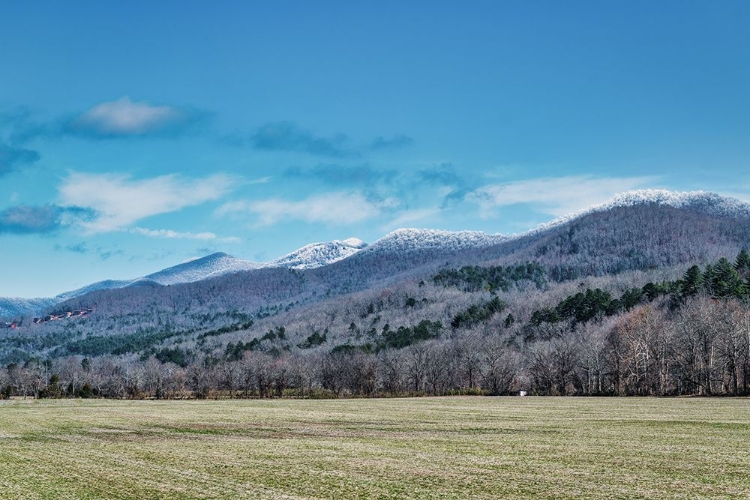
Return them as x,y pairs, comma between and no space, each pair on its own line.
401,242
99,285
216,264
13,307
210,266
698,201
702,201
411,240
319,254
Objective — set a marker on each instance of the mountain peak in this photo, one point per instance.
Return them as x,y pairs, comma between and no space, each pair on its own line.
699,201
207,258
712,203
215,264
216,255
354,243
319,254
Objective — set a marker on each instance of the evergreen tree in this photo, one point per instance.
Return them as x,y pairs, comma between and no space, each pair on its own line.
726,282
742,264
708,279
691,282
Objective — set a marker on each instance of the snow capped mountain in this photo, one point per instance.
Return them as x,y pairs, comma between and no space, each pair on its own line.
419,244
210,266
319,254
702,201
216,264
99,285
699,201
412,240
354,243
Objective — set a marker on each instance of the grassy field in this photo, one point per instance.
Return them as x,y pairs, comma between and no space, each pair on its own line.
460,448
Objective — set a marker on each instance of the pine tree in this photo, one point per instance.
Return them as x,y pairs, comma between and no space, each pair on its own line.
726,282
691,282
742,264
708,279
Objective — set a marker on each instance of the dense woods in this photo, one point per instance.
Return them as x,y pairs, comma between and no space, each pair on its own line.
688,336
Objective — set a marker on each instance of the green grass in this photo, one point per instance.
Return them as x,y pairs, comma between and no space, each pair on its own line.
459,448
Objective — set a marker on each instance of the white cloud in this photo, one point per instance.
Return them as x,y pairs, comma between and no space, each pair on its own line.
331,208
557,196
120,201
260,180
171,234
125,117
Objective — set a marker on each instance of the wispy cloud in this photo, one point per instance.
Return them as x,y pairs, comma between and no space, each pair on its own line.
126,118
332,208
83,249
21,127
120,201
12,157
259,180
447,175
14,153
556,196
359,175
171,234
410,217
397,141
443,174
107,120
288,136
45,219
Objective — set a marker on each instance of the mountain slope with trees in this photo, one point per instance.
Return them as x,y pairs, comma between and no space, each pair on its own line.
645,297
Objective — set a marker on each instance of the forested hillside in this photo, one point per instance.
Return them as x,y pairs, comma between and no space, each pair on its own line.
647,297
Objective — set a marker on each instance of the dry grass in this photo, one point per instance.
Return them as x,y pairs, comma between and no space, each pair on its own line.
398,448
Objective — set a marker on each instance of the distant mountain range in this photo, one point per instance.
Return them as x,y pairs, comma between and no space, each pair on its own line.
211,266
619,235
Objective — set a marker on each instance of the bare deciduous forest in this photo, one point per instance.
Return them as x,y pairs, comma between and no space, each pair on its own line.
637,300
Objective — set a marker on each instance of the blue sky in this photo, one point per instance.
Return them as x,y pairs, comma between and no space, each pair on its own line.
136,136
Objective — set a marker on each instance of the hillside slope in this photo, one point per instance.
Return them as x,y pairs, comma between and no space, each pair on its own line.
639,230
626,236
640,297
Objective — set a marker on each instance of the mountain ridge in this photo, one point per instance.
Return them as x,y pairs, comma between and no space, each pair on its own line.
415,246
213,265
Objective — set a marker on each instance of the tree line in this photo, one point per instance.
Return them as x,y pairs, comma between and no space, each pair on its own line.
701,349
684,336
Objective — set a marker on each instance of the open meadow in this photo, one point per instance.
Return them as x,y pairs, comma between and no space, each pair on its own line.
462,447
